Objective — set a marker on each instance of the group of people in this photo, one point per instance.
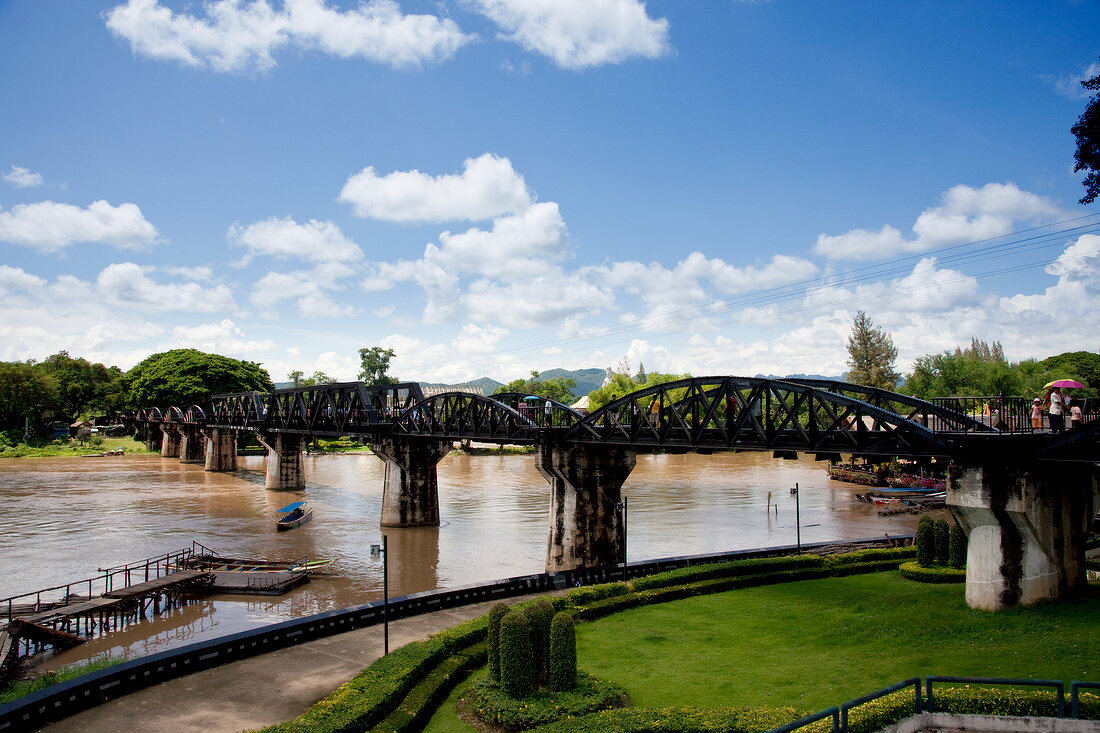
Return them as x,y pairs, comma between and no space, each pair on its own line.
1058,403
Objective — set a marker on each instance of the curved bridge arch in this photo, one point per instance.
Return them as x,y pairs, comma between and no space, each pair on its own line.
561,414
465,416
714,413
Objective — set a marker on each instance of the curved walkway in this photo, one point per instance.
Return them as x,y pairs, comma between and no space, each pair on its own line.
264,689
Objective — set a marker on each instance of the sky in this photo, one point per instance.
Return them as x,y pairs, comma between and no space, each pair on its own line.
491,187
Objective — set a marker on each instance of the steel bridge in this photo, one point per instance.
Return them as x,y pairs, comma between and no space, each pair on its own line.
704,414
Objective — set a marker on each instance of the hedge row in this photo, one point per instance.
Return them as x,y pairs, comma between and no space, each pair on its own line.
374,693
491,704
933,574
420,704
685,720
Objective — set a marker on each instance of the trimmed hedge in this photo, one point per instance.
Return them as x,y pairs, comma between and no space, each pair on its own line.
968,700
682,720
517,672
420,704
926,542
590,593
956,547
934,574
491,704
563,653
496,613
942,532
374,693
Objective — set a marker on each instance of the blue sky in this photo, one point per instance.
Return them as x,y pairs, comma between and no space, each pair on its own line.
492,187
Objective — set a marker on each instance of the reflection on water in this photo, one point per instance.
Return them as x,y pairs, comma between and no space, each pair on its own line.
68,517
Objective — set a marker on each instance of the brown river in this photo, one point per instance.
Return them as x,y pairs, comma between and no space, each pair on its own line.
68,517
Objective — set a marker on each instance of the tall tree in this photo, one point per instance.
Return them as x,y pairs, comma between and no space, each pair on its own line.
1087,132
375,362
871,355
295,377
26,393
81,385
185,376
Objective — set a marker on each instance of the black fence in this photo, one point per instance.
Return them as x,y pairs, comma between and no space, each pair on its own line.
1013,414
68,698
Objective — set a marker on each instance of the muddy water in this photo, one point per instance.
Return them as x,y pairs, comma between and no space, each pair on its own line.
65,518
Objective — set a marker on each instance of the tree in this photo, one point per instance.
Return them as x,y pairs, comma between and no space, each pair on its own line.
871,355
81,385
1087,132
559,389
623,384
295,377
185,376
375,362
26,392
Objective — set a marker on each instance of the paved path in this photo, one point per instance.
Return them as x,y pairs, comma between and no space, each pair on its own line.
261,690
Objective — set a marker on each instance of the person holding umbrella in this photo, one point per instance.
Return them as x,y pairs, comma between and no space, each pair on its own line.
1057,414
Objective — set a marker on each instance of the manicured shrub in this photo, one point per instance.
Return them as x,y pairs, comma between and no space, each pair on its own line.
488,702
539,616
589,593
563,653
516,673
496,613
956,543
942,534
934,574
926,544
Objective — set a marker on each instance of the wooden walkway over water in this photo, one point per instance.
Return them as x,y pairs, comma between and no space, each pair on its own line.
67,622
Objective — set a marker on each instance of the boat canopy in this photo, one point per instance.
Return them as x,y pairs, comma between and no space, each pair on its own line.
291,507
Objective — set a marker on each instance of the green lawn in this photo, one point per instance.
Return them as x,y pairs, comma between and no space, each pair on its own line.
818,643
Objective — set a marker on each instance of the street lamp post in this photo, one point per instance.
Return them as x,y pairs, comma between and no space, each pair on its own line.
621,506
384,551
797,519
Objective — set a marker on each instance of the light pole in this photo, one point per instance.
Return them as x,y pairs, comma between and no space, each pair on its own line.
797,519
621,506
375,550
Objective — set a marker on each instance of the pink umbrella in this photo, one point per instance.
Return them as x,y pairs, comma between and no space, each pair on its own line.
1067,383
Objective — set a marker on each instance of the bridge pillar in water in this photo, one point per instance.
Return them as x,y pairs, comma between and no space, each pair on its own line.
221,449
151,436
192,444
585,490
170,441
284,460
1026,528
410,492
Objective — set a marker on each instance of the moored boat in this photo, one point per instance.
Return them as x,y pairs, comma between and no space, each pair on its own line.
293,515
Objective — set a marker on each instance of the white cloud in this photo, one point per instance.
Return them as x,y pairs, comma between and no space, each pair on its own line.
965,214
1069,85
516,247
49,227
238,35
487,187
576,34
310,289
315,241
1075,293
547,299
475,339
131,285
224,337
14,282
21,177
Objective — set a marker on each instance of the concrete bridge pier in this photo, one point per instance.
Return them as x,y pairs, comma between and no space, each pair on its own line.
221,449
585,489
284,460
170,441
1026,527
149,435
192,444
410,493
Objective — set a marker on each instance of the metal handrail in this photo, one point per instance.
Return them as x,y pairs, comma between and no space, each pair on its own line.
1075,703
1057,684
913,682
830,712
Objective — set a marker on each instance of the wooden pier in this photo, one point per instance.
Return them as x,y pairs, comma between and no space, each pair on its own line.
69,621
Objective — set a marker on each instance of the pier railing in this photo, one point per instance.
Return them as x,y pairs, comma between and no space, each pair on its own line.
1011,414
109,579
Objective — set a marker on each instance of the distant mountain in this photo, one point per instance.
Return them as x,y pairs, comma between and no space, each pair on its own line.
587,380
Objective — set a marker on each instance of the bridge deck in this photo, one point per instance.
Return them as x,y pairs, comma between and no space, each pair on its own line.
112,600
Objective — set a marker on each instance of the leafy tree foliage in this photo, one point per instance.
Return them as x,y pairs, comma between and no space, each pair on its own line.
374,363
298,379
622,385
982,370
184,376
559,389
871,355
83,386
26,392
1087,132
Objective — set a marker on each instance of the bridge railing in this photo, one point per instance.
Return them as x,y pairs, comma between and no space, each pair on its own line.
25,604
1012,414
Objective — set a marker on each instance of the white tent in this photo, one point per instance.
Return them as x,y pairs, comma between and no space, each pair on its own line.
581,405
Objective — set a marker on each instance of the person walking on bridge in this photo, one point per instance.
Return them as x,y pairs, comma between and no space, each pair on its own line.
1057,411
1037,414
